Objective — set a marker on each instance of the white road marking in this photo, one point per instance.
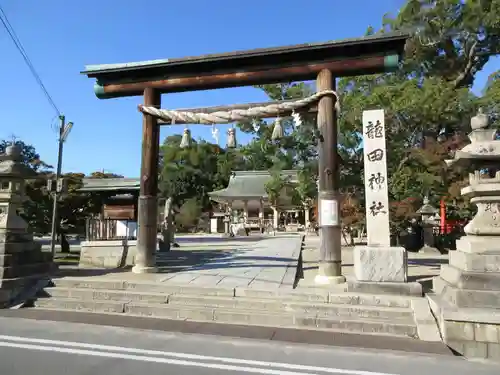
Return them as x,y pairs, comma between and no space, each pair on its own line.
150,359
184,359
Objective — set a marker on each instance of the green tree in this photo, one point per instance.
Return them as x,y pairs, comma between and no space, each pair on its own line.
191,173
490,100
452,39
103,174
306,188
275,186
74,207
280,189
189,215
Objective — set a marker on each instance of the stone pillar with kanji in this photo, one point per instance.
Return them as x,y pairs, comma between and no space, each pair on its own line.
22,263
378,266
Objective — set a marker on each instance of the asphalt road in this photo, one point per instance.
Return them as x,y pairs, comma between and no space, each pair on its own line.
56,348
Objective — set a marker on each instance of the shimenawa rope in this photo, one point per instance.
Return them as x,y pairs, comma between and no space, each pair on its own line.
226,117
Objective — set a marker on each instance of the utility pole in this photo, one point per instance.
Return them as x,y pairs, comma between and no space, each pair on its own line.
64,130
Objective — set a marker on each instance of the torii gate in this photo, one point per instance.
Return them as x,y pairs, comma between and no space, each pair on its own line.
321,61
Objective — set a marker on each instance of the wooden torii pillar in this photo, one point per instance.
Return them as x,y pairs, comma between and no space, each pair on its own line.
147,210
320,61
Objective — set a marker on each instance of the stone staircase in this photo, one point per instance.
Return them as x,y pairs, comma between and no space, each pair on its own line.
316,309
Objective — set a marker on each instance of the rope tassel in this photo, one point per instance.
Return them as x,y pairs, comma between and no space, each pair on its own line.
231,138
186,139
277,130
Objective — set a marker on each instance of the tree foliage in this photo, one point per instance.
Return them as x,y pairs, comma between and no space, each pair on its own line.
191,173
276,186
452,39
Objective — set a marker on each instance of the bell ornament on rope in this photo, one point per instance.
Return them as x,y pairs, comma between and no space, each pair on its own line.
231,138
297,119
186,139
277,130
479,121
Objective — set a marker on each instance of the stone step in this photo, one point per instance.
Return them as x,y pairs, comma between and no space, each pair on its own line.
141,287
87,294
298,295
246,303
470,280
475,262
319,309
234,316
469,298
365,299
73,304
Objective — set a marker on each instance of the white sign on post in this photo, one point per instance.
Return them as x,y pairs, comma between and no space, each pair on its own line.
376,191
328,213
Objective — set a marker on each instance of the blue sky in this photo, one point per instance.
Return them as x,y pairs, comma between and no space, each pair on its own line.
62,36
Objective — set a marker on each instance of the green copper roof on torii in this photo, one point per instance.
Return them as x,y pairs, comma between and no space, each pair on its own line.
103,68
349,57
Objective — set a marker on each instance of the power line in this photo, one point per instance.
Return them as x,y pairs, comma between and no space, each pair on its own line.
10,30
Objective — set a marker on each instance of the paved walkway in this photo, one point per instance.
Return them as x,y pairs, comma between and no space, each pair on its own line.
270,262
263,263
260,263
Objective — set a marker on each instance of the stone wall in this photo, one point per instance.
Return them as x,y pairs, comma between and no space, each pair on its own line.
472,332
22,264
108,254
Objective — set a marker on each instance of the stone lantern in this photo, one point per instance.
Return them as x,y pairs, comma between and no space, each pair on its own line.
467,291
22,262
12,192
428,221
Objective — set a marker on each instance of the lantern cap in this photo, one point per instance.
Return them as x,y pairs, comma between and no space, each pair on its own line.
12,165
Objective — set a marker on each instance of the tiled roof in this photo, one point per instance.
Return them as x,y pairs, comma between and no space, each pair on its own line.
249,184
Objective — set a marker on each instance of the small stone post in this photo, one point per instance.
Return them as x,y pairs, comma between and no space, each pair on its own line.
227,219
261,216
167,231
22,263
245,211
226,224
307,216
276,216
